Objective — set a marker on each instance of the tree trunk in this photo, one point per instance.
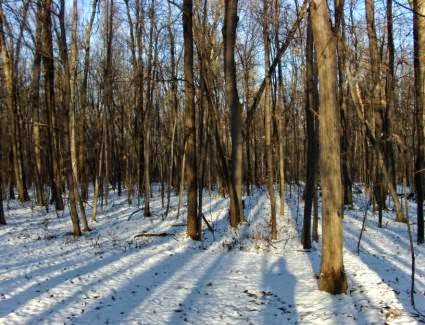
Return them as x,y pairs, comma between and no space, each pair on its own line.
35,100
419,64
268,122
311,107
82,161
73,69
174,88
69,124
343,104
390,97
190,124
279,116
49,84
332,274
232,99
376,107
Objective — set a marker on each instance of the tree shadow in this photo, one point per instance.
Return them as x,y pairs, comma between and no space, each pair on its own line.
388,269
334,308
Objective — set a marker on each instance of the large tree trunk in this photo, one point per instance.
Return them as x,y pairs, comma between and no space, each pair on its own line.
419,63
332,274
232,98
190,124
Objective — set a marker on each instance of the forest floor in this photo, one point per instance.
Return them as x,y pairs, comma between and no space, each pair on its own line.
109,276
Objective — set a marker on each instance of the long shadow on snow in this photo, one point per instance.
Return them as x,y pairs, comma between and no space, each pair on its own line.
36,290
154,276
96,283
388,273
297,215
194,300
172,264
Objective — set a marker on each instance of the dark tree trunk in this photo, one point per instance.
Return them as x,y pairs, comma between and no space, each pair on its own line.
232,98
419,64
190,124
311,108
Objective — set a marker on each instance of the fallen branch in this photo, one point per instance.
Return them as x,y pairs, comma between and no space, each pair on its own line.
160,234
133,213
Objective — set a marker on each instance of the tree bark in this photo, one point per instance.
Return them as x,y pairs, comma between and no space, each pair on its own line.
190,124
232,99
419,65
35,100
49,85
311,108
82,161
332,274
268,123
69,125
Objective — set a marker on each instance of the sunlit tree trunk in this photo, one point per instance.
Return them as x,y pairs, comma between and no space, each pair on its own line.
332,274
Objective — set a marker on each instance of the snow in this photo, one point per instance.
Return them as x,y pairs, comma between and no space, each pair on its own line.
234,277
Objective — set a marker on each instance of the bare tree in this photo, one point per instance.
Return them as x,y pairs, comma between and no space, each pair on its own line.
332,274
232,98
311,108
190,124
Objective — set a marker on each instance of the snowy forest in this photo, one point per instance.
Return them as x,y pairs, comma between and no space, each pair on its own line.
212,161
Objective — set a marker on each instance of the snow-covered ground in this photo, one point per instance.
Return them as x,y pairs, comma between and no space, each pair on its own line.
109,276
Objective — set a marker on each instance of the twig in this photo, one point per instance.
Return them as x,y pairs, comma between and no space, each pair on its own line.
364,222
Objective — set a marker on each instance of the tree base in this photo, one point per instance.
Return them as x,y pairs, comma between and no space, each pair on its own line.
333,282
